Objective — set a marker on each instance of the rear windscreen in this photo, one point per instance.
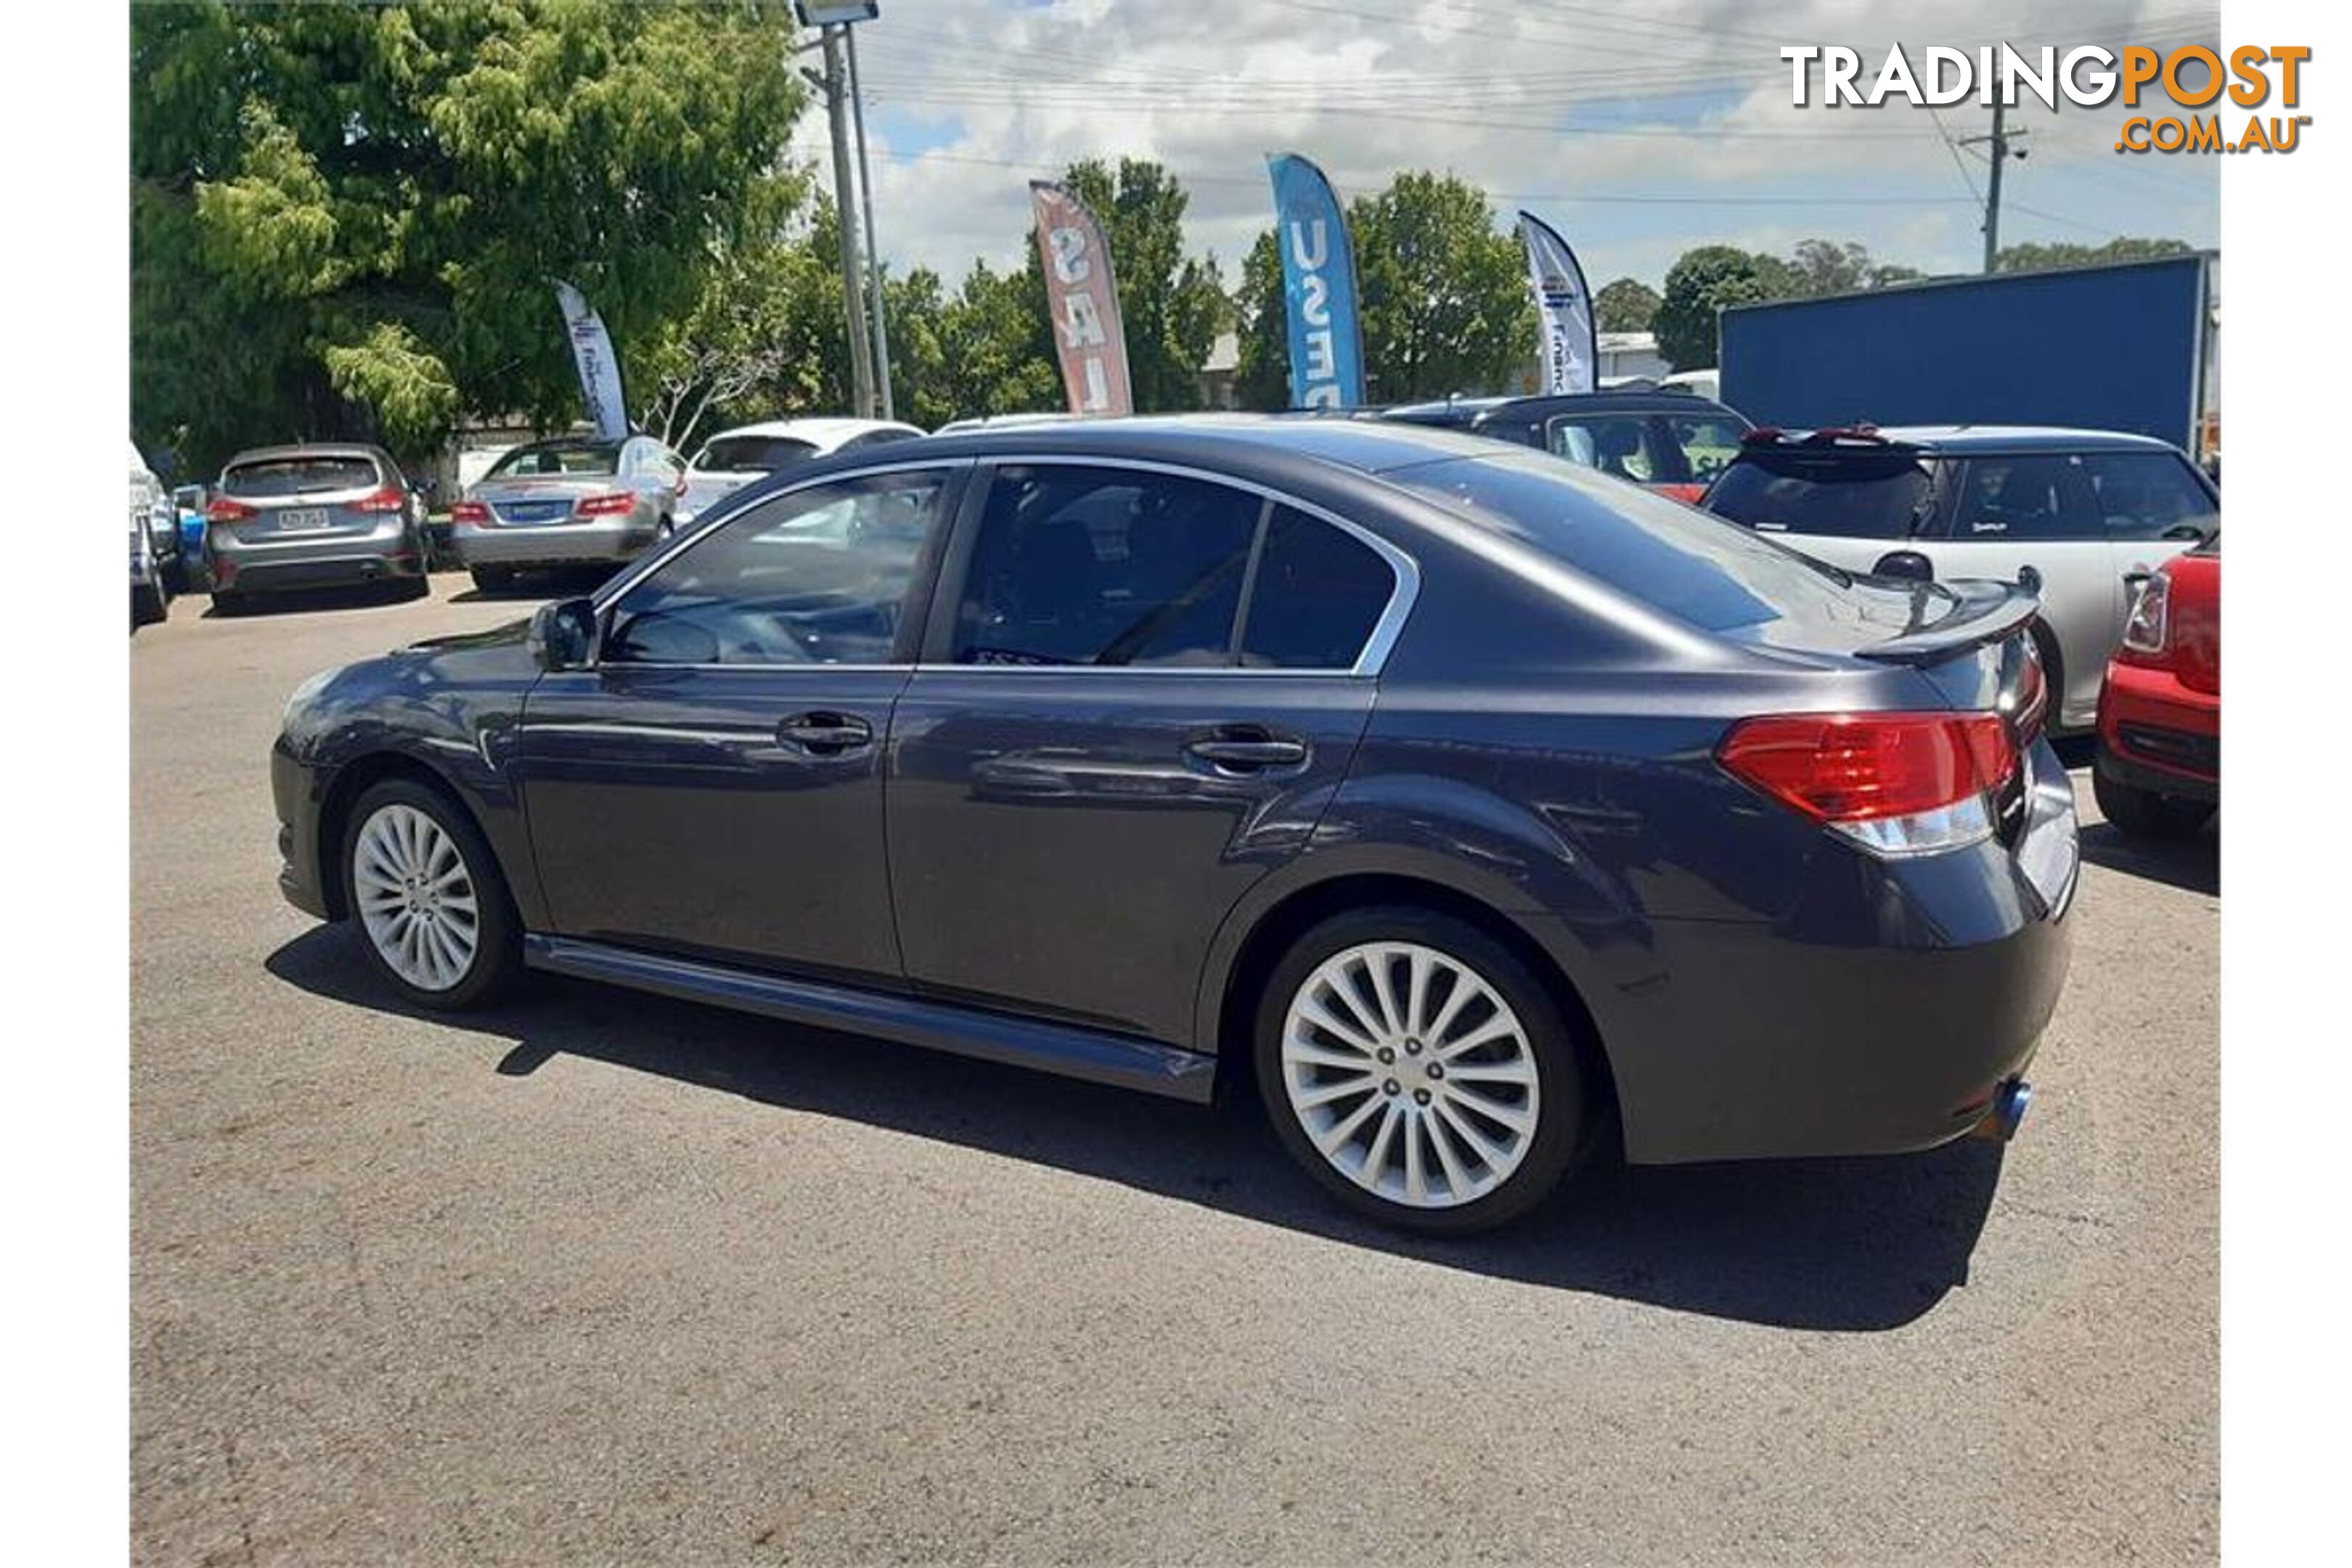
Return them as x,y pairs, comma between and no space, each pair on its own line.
1840,494
298,476
753,454
570,458
1697,568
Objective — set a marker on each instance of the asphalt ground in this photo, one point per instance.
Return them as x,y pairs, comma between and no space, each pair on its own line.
600,1277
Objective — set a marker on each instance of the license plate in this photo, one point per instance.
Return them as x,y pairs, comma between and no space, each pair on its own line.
535,510
302,520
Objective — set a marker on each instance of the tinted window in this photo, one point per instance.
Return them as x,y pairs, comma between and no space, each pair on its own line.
821,576
753,454
560,458
2149,495
300,476
1703,571
1315,598
876,438
2038,496
1842,494
1105,566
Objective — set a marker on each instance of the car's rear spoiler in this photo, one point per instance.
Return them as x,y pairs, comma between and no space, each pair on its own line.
1987,612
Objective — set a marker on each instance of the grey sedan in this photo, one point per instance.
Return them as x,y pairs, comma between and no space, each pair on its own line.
311,516
575,502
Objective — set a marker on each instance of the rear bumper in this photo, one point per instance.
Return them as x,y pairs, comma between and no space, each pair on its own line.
1883,1016
267,566
2155,733
553,544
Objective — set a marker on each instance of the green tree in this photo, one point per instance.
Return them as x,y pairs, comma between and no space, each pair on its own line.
1819,267
2034,258
345,218
1262,379
1444,295
1627,305
1172,306
1701,282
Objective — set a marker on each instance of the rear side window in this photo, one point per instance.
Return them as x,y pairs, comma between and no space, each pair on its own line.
1315,598
2035,497
2149,495
300,476
1698,568
568,457
753,454
1077,565
1840,494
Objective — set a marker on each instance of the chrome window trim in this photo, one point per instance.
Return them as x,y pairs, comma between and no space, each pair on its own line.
1369,659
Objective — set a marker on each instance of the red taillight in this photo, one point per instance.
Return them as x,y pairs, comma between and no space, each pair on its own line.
2033,699
470,512
224,510
611,503
388,498
1896,783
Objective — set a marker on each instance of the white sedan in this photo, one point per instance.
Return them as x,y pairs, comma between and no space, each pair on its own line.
733,458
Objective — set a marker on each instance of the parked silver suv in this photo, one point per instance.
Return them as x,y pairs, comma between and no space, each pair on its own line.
2084,516
313,516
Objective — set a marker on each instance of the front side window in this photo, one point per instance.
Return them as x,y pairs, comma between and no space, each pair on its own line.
819,576
2033,498
1621,444
1078,565
2149,495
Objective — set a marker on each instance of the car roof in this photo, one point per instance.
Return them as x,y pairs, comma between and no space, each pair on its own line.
307,449
1245,441
825,431
1967,438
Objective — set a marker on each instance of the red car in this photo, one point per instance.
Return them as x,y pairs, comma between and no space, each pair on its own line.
2158,772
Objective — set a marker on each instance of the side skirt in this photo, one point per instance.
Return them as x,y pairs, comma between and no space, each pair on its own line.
1099,1058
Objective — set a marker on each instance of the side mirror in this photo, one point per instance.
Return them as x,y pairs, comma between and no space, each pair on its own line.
1907,563
2029,579
563,633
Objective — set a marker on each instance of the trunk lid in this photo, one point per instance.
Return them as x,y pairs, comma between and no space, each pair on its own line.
526,501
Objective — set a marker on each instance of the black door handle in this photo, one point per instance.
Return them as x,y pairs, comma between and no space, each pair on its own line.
1250,750
826,734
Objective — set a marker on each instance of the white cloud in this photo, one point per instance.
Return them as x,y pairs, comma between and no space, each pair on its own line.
966,102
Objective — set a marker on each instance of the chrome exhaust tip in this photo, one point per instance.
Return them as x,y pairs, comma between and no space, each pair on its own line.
2010,1101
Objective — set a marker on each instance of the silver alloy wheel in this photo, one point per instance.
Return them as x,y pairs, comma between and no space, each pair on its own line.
1411,1074
415,897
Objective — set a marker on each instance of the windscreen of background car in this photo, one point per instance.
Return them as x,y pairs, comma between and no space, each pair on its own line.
1835,494
274,477
753,454
582,457
1704,572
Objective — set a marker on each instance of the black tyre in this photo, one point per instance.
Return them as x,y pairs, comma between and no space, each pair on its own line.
1418,1071
149,604
426,898
227,602
492,579
2146,814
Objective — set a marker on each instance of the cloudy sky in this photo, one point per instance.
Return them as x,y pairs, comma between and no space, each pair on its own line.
1638,138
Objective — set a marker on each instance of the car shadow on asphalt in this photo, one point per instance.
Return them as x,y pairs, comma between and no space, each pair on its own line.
1840,1245
2192,865
298,601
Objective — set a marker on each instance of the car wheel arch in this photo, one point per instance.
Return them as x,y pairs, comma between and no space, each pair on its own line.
1231,992
353,779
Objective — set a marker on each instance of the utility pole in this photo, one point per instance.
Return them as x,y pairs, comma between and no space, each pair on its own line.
2002,151
872,251
844,205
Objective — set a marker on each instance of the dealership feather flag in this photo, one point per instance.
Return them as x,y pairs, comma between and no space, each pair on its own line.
1082,300
1319,287
599,366
1571,350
